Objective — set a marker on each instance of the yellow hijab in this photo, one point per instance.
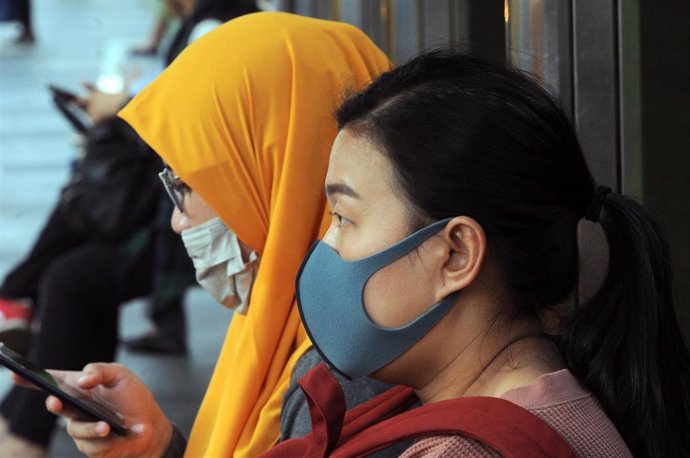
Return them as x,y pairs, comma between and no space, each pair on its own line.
243,116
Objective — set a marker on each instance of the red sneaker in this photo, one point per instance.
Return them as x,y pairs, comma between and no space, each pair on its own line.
15,318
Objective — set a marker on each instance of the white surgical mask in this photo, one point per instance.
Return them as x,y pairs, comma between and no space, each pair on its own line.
220,269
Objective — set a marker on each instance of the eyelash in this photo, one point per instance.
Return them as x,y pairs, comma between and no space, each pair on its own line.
341,220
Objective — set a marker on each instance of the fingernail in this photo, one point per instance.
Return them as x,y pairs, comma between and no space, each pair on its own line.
83,378
102,429
138,428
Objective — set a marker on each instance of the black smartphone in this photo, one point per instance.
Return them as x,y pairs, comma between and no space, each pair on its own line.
69,394
62,93
66,103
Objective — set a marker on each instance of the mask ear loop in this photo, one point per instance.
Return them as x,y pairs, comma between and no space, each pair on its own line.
399,250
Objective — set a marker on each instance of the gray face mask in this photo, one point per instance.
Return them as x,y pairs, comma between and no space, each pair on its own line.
330,294
217,258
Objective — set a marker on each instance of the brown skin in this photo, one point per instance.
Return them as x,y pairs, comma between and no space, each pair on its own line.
100,105
197,211
150,430
180,8
490,354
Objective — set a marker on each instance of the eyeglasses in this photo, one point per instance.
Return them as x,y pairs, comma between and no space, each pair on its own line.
175,187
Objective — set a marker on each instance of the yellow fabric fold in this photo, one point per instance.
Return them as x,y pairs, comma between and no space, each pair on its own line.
244,117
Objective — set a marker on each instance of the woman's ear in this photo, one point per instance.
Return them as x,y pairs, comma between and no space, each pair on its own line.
465,244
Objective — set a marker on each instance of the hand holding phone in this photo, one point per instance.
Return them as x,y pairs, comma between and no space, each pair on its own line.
148,429
81,400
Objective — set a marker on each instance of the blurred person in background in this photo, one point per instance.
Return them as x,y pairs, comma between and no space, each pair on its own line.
71,285
19,11
197,17
19,289
25,19
163,19
252,137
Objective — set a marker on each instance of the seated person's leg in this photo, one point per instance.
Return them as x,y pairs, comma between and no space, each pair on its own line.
19,289
77,324
173,274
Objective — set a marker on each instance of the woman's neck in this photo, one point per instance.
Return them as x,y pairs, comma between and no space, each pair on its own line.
495,364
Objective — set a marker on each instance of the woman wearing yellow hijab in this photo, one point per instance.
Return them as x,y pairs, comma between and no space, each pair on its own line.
243,117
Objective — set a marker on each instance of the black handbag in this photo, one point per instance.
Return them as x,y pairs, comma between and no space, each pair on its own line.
114,188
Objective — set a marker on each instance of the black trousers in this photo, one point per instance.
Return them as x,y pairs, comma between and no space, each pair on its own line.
24,13
55,239
77,287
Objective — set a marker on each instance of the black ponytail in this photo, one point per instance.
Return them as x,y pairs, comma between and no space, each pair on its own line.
625,343
470,138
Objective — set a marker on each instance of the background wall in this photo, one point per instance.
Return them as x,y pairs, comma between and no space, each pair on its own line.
665,88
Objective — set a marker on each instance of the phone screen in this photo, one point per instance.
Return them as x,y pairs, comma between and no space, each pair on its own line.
75,397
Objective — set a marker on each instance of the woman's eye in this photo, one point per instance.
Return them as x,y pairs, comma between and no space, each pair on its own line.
339,219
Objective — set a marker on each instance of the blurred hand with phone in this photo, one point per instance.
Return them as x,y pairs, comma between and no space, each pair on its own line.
100,105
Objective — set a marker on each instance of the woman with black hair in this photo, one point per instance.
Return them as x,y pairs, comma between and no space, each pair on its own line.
456,189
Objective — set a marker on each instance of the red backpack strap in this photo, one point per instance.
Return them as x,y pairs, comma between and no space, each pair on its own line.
507,428
389,403
378,423
327,409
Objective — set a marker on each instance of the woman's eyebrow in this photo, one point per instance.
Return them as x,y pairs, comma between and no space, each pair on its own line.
340,188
